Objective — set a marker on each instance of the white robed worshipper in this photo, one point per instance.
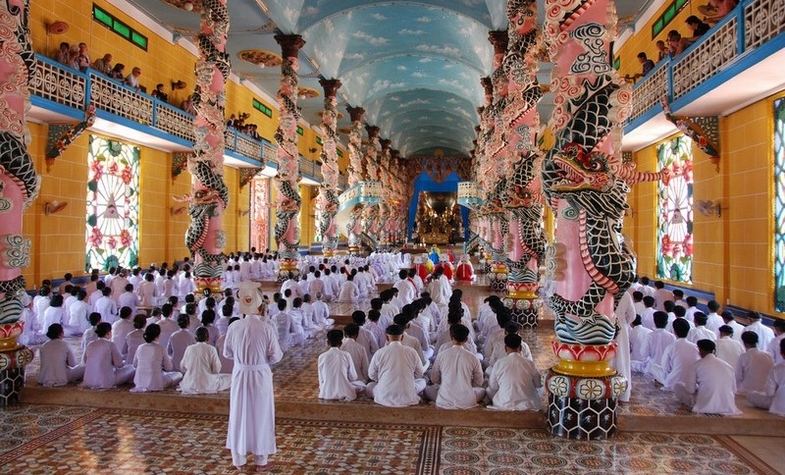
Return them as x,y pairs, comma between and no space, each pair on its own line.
396,373
774,345
625,314
54,313
290,284
709,387
514,380
202,367
356,351
440,288
765,334
456,374
104,367
253,345
728,349
338,379
700,331
106,306
154,369
58,363
349,291
320,313
773,396
639,345
659,341
406,289
678,362
752,370
77,322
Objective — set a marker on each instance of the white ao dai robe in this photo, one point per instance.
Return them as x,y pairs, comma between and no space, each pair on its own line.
678,362
58,364
752,370
397,371
202,368
513,384
154,370
773,398
459,375
104,366
338,379
716,387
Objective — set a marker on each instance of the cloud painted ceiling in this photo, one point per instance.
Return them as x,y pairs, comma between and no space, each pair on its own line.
415,66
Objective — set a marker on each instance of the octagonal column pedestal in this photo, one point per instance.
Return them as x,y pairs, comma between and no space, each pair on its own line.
524,304
497,275
583,391
13,359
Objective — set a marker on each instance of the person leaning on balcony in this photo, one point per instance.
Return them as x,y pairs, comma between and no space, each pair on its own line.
63,54
132,79
159,93
104,64
662,50
646,66
117,71
698,27
82,57
676,43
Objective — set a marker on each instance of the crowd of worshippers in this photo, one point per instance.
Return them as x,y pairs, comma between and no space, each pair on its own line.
77,57
239,122
706,359
676,43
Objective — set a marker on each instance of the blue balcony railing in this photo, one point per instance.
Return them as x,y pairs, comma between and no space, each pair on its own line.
741,37
67,91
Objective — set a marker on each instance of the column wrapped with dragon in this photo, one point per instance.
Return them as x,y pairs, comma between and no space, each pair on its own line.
370,219
353,226
385,179
209,196
521,122
327,202
495,165
19,185
589,268
287,230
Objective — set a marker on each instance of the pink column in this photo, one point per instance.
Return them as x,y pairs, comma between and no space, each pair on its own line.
327,202
353,227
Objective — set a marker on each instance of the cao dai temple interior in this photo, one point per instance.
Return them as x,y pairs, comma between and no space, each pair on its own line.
433,236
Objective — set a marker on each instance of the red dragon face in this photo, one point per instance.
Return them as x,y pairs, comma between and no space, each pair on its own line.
581,170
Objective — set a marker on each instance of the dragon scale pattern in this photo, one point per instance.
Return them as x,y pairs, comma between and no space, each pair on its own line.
327,201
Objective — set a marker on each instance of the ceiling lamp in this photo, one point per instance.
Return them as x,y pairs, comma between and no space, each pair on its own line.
57,28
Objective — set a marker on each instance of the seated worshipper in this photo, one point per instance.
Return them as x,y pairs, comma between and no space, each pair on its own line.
713,320
365,338
410,341
701,331
374,326
167,324
647,317
765,334
456,375
227,310
104,367
54,313
356,351
773,397
193,320
298,317
338,380
440,288
227,365
106,306
290,284
120,330
679,358
661,294
728,349
208,317
316,285
659,341
148,291
349,291
135,338
774,345
321,313
639,346
154,371
89,335
514,380
128,299
58,364
752,370
499,349
179,341
679,312
396,373
78,312
283,324
202,367
709,387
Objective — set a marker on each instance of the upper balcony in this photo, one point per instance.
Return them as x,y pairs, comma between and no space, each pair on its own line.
61,94
737,62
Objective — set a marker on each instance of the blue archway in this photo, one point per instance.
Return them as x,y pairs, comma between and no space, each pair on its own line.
424,182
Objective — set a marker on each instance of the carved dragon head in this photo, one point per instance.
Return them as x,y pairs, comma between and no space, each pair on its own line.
574,169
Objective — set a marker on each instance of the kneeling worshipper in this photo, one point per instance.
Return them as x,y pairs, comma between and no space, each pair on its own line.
338,380
202,367
514,381
709,387
396,372
253,346
58,364
679,359
104,367
773,397
154,369
456,375
752,369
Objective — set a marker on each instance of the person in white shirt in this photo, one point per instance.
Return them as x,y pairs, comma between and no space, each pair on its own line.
678,312
365,338
289,284
637,298
104,367
692,307
78,312
89,335
773,397
118,284
456,375
54,313
765,334
410,341
120,330
316,285
349,291
678,361
106,306
728,349
135,339
128,299
752,370
179,341
283,324
321,312
625,314
302,286
356,351
514,380
338,379
713,319
61,289
647,317
774,344
40,304
701,331
227,311
639,346
729,320
709,387
167,324
201,366
331,285
396,373
440,288
185,285
148,292
154,370
661,294
58,364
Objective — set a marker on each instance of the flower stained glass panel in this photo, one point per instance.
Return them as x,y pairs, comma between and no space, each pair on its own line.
112,221
779,205
260,212
674,219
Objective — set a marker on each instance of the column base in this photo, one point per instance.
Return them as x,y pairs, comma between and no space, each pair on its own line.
582,407
12,374
497,281
288,266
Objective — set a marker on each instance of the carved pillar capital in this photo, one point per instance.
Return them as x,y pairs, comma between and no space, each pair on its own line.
330,87
385,145
355,113
373,131
290,44
499,40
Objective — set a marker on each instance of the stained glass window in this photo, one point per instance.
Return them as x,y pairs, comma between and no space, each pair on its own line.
779,204
112,224
674,221
260,212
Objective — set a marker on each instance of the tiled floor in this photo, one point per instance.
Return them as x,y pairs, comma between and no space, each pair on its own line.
80,440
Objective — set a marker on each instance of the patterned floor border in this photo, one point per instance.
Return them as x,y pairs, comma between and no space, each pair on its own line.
743,453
